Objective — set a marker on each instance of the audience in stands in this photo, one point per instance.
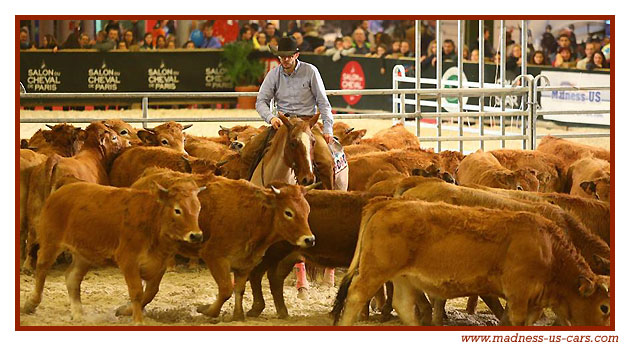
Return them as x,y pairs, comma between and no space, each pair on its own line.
160,42
209,41
147,42
448,51
110,42
130,41
589,49
538,58
597,61
361,46
564,58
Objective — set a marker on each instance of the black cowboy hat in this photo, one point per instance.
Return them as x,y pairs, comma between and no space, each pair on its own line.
286,47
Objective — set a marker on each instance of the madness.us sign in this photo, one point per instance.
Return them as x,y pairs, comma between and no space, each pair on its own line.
352,78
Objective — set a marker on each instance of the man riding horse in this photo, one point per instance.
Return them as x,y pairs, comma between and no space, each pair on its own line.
298,90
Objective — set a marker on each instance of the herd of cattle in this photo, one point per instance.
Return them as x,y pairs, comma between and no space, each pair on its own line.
531,227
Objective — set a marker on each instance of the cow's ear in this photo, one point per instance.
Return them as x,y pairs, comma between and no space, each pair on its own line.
265,198
162,192
361,133
81,134
23,144
585,286
447,177
602,264
147,137
588,186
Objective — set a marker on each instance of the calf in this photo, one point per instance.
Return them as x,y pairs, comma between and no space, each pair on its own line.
62,139
125,131
484,169
589,177
101,145
138,230
130,164
450,251
549,169
569,152
346,135
28,161
395,137
240,222
169,134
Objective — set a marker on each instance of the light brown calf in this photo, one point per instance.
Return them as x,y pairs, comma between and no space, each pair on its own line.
169,134
138,230
589,177
568,151
550,171
484,169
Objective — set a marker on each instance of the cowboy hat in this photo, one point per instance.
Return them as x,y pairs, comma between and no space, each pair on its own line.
286,47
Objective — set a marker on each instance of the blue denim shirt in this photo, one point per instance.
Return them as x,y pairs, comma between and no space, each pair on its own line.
295,94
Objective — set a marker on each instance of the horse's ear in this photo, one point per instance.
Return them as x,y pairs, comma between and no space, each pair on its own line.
285,121
313,120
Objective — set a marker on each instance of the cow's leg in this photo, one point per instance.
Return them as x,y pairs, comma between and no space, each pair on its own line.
405,301
45,259
386,310
495,305
439,311
518,311
362,288
152,286
471,305
193,263
426,310
255,281
131,272
31,249
240,279
378,300
220,270
277,274
74,276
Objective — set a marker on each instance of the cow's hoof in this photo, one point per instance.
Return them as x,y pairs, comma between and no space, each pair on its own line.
283,315
255,311
238,317
205,310
124,310
28,307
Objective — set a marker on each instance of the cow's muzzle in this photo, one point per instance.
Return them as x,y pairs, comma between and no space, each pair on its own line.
237,145
306,241
194,237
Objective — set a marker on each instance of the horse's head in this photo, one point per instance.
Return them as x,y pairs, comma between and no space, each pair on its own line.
300,147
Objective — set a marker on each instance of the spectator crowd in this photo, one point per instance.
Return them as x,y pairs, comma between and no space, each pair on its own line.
335,38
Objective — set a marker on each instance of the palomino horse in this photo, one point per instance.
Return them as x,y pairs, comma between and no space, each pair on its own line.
289,158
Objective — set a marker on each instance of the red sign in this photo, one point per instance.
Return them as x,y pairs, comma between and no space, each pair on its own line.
352,78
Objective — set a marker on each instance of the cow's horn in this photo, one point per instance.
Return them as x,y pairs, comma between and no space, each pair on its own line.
221,163
276,191
187,126
224,128
313,186
185,158
349,130
202,188
49,126
148,128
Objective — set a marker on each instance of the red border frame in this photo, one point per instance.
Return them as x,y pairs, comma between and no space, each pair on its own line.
19,327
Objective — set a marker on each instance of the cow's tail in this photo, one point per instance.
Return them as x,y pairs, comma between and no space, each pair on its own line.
51,166
342,293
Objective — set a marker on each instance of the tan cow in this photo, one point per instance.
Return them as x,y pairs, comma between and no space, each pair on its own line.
568,151
169,134
62,139
450,251
240,221
138,230
594,250
347,135
593,214
91,164
28,161
130,164
550,171
125,131
589,177
484,169
405,161
395,137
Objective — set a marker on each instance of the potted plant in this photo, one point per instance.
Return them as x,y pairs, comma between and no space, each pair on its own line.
243,70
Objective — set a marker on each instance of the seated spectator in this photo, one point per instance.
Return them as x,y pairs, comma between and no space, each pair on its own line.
130,41
110,43
395,48
589,49
430,59
598,60
474,56
260,42
563,42
147,42
564,59
515,60
171,44
466,53
49,42
245,34
189,45
160,42
84,41
361,46
448,51
487,45
25,40
302,44
209,41
273,42
122,45
72,41
270,31
101,36
381,51
404,51
343,47
539,58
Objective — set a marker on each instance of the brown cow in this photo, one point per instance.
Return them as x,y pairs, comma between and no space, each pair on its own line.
125,131
593,214
449,251
237,241
206,149
568,151
589,177
346,135
355,150
138,230
395,137
484,169
169,134
130,164
404,161
62,139
550,170
101,145
595,251
28,161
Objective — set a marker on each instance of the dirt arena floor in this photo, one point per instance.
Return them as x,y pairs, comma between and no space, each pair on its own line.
183,289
